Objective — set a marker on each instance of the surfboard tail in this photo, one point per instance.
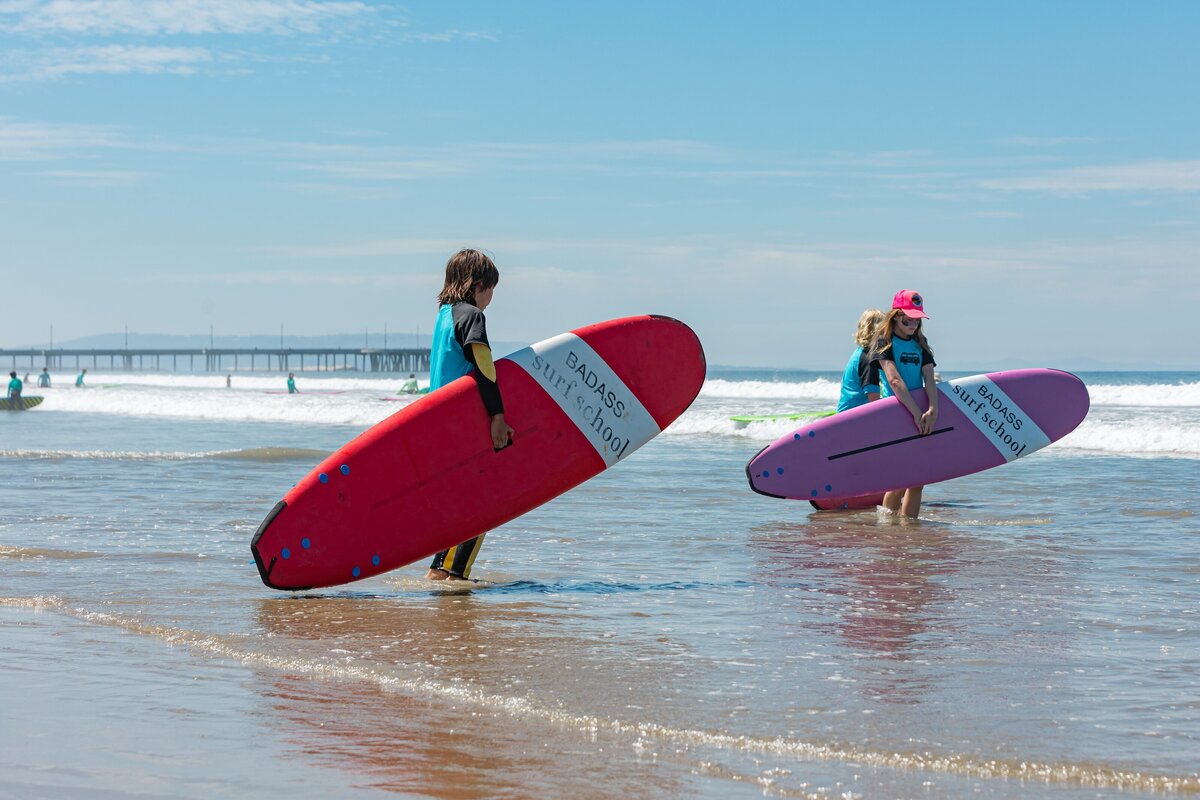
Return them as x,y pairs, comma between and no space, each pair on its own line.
750,476
265,568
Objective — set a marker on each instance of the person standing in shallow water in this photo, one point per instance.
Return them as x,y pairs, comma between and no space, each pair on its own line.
44,378
292,383
14,390
906,361
460,347
860,379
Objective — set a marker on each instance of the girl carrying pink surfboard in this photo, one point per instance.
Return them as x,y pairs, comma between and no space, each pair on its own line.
906,361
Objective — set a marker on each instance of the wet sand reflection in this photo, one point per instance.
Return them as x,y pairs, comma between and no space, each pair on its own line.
876,584
443,744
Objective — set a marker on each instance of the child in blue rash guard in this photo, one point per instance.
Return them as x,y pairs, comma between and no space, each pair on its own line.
14,390
460,347
860,379
906,361
44,378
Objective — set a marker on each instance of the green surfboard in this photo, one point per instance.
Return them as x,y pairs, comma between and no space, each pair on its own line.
744,419
24,404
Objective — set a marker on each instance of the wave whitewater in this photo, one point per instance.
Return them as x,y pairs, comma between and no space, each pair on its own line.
255,454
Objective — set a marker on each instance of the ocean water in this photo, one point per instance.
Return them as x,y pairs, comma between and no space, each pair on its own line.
660,631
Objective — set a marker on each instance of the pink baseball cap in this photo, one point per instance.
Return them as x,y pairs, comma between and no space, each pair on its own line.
911,303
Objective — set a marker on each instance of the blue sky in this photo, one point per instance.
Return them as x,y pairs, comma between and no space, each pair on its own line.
763,171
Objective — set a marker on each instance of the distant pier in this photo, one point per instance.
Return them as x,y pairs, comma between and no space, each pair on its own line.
331,359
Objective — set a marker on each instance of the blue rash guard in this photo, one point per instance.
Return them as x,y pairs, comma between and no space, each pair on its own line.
910,358
860,378
458,327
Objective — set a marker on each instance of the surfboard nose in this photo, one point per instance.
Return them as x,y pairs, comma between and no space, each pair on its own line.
658,357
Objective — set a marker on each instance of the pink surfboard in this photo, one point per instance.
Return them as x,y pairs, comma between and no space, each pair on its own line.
427,478
983,421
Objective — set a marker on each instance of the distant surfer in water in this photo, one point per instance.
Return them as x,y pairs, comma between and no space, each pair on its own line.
860,379
292,383
14,390
410,386
44,378
460,347
79,378
906,361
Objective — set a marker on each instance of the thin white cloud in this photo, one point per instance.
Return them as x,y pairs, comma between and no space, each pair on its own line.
93,177
116,60
367,248
1045,141
386,170
59,39
292,278
351,163
782,256
1147,176
40,141
453,35
173,17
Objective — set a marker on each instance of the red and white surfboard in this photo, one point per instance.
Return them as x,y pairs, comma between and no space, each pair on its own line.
427,478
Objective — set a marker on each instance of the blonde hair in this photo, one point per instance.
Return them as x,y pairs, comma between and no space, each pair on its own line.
868,327
466,271
884,341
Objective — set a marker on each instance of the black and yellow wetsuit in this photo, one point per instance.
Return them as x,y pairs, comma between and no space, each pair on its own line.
460,347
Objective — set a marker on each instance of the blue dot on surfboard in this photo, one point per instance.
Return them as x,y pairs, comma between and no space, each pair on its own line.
766,473
323,478
795,436
811,434
305,543
286,553
828,488
345,469
779,470
814,492
356,572
375,560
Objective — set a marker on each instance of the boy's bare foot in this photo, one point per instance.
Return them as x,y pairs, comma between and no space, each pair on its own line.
442,575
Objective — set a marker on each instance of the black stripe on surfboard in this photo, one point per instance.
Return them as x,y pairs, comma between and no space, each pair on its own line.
888,444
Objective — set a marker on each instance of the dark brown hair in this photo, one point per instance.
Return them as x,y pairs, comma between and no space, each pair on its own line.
466,271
